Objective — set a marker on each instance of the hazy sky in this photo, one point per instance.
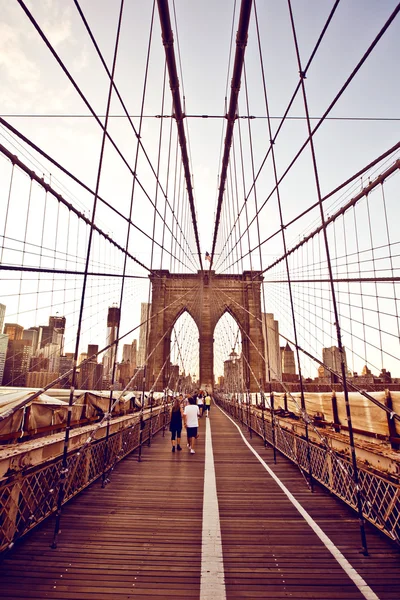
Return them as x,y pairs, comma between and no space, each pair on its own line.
37,98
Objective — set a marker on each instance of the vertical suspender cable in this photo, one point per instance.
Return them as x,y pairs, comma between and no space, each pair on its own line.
64,470
333,291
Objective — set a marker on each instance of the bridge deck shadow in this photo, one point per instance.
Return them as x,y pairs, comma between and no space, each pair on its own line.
140,537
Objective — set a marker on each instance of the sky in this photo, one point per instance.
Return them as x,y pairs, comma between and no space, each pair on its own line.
37,98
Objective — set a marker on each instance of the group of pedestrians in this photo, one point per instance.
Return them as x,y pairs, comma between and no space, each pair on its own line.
187,412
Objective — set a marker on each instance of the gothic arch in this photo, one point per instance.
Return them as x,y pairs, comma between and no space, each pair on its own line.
172,294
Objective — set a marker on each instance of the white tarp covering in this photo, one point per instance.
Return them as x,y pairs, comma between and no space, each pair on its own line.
43,411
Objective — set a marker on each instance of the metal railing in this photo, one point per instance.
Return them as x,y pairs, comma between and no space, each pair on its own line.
30,496
380,496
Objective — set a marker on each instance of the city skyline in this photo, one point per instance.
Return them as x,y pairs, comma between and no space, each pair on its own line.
46,345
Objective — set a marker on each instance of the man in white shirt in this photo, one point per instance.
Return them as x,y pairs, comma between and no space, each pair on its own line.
191,420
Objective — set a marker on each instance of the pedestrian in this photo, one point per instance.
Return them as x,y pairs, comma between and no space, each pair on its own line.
207,404
175,425
200,403
191,420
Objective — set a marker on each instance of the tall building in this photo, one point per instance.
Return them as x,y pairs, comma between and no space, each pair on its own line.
66,363
49,335
39,379
113,317
134,355
13,331
19,353
233,373
126,353
129,356
270,329
331,358
87,372
58,324
91,350
2,316
145,315
3,354
32,334
98,377
39,363
48,343
288,362
86,376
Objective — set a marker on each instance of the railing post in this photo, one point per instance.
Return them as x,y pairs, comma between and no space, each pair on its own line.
393,436
263,417
249,414
164,414
335,412
271,400
151,399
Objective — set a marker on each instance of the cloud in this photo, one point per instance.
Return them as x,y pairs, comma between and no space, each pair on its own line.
15,65
57,24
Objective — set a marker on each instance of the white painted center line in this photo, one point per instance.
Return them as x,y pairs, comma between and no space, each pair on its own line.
212,583
364,588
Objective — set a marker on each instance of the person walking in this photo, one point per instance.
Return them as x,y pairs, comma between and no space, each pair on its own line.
175,425
207,404
200,403
191,420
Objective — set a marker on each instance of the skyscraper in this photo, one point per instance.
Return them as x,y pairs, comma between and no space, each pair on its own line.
16,366
126,352
2,316
32,334
129,354
87,372
288,362
233,373
331,358
58,324
14,331
145,315
113,317
3,354
134,355
270,329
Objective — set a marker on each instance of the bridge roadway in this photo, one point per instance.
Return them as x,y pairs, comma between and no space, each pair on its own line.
148,534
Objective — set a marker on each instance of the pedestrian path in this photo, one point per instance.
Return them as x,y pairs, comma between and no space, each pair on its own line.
215,524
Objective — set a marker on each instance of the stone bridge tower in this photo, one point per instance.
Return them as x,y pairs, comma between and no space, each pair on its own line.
206,296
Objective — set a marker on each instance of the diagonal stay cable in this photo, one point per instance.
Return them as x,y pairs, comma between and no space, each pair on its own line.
327,111
83,97
286,113
127,115
16,161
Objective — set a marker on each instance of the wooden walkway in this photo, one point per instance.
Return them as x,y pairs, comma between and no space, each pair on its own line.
141,537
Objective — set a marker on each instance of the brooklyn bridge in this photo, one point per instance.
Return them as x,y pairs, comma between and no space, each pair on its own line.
199,208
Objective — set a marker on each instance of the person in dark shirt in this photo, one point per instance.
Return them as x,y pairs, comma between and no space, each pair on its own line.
175,425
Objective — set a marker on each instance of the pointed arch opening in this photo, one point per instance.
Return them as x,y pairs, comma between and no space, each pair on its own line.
183,369
228,355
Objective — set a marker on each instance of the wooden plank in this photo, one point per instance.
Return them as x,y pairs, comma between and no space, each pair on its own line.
267,544
140,537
